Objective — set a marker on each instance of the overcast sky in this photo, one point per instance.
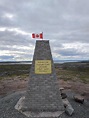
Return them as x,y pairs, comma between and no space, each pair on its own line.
65,23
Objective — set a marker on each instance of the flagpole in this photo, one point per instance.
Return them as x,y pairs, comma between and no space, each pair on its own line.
42,35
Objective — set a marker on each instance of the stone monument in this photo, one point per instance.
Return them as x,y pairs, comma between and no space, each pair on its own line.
43,97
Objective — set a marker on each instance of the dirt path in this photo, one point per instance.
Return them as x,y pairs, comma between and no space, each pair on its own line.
10,85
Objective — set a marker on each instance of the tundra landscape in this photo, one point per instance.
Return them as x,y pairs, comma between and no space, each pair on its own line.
71,75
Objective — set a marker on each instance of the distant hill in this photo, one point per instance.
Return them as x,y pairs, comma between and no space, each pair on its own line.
87,61
16,62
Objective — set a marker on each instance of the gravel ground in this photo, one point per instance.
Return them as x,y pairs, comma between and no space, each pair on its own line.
7,106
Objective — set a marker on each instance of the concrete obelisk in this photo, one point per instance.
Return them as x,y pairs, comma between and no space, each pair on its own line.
42,98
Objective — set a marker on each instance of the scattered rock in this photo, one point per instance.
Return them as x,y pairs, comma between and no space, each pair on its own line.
63,95
79,99
61,89
65,102
68,108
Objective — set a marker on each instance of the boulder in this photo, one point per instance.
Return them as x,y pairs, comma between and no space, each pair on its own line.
79,99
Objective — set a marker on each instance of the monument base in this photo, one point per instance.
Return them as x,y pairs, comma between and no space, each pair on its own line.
35,114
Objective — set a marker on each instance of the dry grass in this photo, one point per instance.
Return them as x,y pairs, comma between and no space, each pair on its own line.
73,75
64,73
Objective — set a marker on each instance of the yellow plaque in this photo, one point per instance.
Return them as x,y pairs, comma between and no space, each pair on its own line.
43,67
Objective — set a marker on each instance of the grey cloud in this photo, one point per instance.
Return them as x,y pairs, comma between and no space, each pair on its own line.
6,57
71,52
62,21
11,38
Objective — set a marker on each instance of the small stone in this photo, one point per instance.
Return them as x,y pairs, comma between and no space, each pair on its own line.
63,95
69,110
68,107
65,102
61,89
79,99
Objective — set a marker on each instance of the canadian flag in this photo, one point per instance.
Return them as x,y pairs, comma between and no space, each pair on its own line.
37,35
